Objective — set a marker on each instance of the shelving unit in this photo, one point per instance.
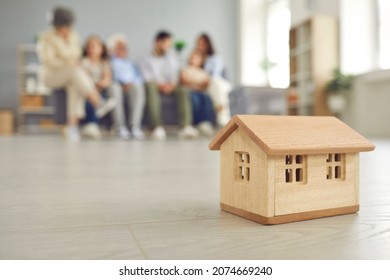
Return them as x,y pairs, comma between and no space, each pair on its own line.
313,56
35,112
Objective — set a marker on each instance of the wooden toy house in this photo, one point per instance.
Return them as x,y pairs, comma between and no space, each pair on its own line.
280,169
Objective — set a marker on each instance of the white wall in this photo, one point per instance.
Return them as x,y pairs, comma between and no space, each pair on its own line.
20,20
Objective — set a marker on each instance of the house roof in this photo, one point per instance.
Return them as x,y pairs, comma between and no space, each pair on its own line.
281,135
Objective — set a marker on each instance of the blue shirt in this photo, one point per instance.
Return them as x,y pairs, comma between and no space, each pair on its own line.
125,71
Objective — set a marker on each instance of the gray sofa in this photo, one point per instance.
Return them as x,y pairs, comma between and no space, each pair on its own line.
258,101
243,100
169,113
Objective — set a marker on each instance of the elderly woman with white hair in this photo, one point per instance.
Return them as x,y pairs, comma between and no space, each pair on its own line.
126,74
60,51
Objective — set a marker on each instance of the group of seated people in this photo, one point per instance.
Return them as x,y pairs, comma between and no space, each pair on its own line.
96,79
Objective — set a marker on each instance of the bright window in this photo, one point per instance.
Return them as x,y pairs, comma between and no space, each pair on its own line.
278,27
383,33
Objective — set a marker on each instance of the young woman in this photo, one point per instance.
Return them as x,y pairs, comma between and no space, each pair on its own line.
59,50
197,79
219,88
95,62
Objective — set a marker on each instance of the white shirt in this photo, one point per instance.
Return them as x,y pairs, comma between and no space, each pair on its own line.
96,71
214,66
160,69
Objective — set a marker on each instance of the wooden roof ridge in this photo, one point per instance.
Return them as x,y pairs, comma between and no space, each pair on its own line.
279,135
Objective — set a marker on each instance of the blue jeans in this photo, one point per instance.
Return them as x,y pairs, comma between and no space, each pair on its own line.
90,114
202,107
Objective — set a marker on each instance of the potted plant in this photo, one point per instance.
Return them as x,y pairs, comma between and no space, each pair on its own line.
180,45
266,65
337,89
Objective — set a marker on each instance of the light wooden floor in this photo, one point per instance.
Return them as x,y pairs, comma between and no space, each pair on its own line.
152,200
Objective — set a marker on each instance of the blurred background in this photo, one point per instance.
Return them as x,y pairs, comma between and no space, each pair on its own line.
297,57
153,200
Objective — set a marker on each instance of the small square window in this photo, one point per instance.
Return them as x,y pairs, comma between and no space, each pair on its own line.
335,166
295,166
242,167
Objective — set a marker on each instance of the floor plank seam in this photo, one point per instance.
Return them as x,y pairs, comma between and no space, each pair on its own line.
108,225
137,242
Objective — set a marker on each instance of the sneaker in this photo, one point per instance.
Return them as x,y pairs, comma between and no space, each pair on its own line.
223,117
92,131
72,134
123,133
206,129
106,107
137,133
159,133
188,132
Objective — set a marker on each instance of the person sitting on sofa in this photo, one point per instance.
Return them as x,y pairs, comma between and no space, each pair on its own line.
95,62
197,80
160,70
129,78
59,50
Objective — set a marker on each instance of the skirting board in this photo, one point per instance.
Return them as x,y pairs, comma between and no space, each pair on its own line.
290,217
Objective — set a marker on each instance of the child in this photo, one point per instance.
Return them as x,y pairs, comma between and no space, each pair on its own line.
197,79
128,77
95,62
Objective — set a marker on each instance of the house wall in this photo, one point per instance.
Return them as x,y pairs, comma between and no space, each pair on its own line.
317,193
253,196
